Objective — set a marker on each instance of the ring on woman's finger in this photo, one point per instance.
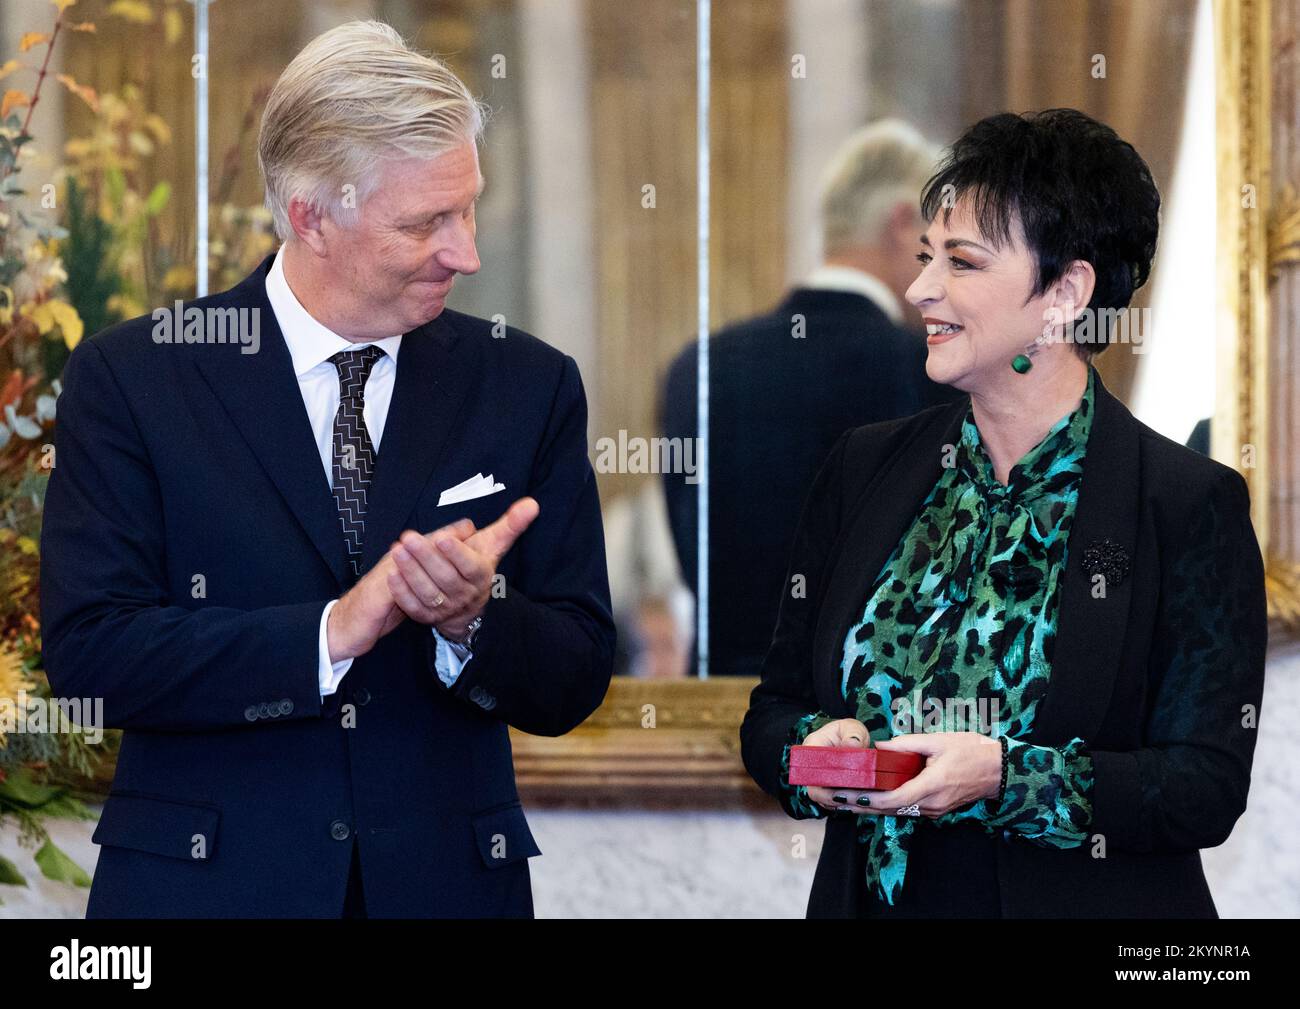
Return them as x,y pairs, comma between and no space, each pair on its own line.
913,810
439,601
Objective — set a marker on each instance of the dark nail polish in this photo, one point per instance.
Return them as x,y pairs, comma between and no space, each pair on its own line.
864,800
840,798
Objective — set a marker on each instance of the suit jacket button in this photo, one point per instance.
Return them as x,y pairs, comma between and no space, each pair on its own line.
264,710
362,696
476,695
286,706
340,830
250,712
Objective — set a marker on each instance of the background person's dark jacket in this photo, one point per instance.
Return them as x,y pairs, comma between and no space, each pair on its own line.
1159,677
176,461
776,406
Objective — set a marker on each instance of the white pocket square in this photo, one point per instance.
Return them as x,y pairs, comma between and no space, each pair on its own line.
476,486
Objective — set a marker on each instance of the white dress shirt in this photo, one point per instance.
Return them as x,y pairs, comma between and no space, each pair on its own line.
311,345
855,281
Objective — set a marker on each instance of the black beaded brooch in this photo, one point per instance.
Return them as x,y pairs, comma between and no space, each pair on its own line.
1108,559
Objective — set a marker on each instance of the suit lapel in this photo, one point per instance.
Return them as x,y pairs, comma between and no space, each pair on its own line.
1090,632
435,367
877,521
260,394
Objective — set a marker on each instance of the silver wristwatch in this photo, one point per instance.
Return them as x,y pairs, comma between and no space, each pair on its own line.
471,632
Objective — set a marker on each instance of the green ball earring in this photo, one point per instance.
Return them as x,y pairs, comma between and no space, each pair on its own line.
1021,362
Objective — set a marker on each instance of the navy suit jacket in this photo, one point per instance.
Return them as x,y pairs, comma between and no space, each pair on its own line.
776,406
238,792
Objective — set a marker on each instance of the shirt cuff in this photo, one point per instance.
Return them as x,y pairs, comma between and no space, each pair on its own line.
330,675
794,798
1048,797
451,658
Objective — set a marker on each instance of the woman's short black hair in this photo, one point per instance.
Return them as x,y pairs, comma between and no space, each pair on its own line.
1079,191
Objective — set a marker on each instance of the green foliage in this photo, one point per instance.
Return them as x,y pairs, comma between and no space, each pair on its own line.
21,790
9,874
87,258
56,865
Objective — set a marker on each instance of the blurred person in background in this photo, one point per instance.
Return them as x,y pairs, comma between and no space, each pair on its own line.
662,649
840,350
653,608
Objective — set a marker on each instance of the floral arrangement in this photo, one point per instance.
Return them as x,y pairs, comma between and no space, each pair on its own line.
107,258
39,326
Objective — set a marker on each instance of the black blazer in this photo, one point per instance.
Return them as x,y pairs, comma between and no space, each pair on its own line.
1162,677
776,406
184,460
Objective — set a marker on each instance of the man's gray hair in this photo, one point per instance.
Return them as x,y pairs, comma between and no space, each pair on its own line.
355,96
878,167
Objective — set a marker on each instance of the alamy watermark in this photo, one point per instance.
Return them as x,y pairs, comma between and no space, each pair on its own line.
25,715
179,324
634,454
1102,326
915,713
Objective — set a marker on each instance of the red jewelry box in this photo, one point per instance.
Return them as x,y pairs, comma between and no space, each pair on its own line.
851,767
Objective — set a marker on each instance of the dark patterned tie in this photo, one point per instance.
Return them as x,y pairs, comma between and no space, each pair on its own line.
354,455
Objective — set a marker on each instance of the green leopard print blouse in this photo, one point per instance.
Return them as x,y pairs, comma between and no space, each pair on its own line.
957,635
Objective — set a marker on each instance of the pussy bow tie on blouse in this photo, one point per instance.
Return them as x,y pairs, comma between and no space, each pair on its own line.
1025,507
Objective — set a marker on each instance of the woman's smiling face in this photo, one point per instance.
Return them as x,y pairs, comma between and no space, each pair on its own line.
974,297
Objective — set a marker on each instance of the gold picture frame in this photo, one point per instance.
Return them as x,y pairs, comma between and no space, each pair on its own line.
1259,229
1240,430
651,743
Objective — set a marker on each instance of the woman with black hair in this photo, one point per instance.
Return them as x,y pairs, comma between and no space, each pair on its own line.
1060,609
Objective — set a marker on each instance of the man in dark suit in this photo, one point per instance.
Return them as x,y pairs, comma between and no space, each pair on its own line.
837,352
271,547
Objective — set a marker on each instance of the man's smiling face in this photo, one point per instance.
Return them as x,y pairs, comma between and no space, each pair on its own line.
413,235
